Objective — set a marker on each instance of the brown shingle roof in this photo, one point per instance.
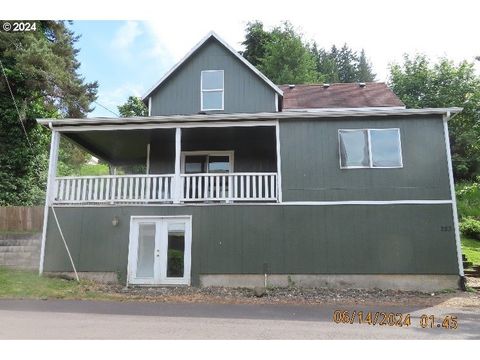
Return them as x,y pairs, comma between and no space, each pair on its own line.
341,95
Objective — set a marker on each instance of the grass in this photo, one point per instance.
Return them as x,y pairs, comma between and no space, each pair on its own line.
468,204
471,249
19,284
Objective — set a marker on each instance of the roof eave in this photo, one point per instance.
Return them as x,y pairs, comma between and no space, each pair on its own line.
328,113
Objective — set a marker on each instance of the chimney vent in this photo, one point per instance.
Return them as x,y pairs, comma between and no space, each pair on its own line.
326,86
362,84
291,86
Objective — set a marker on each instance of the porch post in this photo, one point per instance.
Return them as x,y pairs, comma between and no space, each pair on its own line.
50,194
177,186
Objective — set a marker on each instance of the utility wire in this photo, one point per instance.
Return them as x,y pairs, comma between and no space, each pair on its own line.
16,107
113,112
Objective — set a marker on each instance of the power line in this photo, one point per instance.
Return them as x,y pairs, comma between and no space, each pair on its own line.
113,112
16,107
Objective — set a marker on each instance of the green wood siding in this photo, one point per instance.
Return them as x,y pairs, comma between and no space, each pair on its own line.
244,90
230,239
311,169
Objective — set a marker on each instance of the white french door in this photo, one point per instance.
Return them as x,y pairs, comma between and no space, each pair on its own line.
160,250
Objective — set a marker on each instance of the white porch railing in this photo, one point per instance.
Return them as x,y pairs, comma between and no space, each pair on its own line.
113,188
227,187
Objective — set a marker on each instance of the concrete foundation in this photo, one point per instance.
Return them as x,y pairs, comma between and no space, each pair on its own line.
101,277
425,283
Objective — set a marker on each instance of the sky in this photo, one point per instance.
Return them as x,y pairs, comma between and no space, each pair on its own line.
127,57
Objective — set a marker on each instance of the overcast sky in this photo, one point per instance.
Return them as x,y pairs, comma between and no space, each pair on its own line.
128,57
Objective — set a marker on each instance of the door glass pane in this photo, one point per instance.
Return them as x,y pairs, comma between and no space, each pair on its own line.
195,164
146,250
354,148
176,249
218,164
386,148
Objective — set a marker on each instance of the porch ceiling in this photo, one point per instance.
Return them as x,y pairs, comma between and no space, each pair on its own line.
120,147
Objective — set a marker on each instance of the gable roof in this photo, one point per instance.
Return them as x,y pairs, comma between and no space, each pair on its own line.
340,95
213,35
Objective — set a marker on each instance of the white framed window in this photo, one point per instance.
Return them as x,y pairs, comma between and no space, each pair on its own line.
212,90
199,162
370,148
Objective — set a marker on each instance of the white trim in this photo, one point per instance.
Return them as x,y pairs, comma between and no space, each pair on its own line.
454,198
279,162
202,90
365,108
196,47
176,179
327,113
285,203
150,106
229,153
277,109
65,129
133,245
369,145
148,159
52,169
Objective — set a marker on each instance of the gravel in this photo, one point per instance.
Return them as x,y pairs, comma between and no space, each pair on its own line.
290,295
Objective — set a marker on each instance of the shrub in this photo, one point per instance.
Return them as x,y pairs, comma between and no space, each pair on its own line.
470,227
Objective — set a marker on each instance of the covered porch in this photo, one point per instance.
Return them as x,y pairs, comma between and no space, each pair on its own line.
227,163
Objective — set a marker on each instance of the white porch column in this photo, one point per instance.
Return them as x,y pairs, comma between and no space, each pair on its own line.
50,194
177,189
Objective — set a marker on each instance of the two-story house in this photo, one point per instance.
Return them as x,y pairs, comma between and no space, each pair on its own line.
250,183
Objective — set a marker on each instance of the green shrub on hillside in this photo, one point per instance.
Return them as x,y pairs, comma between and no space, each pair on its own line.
470,227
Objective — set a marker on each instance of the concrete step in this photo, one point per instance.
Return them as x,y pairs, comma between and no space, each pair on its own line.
22,267
20,249
20,242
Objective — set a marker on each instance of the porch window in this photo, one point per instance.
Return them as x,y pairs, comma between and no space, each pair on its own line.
212,90
370,148
196,162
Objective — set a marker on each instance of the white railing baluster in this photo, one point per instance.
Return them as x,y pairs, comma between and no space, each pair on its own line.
159,188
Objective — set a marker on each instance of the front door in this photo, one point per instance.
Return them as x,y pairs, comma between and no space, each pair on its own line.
160,250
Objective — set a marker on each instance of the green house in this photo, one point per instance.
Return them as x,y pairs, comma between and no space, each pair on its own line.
235,181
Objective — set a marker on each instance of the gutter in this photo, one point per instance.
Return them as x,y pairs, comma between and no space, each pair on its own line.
327,113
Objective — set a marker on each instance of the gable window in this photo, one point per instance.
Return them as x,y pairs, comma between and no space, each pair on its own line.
370,148
212,90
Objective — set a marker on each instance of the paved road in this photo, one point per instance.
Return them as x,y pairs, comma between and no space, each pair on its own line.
58,319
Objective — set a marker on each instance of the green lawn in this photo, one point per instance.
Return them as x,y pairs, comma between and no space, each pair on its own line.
15,284
471,249
468,204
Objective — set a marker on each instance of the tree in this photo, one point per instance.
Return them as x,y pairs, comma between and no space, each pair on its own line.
284,56
287,59
42,72
134,106
419,84
364,69
256,40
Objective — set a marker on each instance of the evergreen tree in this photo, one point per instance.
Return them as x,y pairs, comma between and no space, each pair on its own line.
346,62
364,69
42,72
256,40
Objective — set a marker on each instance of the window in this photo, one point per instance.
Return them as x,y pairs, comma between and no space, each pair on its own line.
370,148
212,90
195,162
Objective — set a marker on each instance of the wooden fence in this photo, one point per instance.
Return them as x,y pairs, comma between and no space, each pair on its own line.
21,218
